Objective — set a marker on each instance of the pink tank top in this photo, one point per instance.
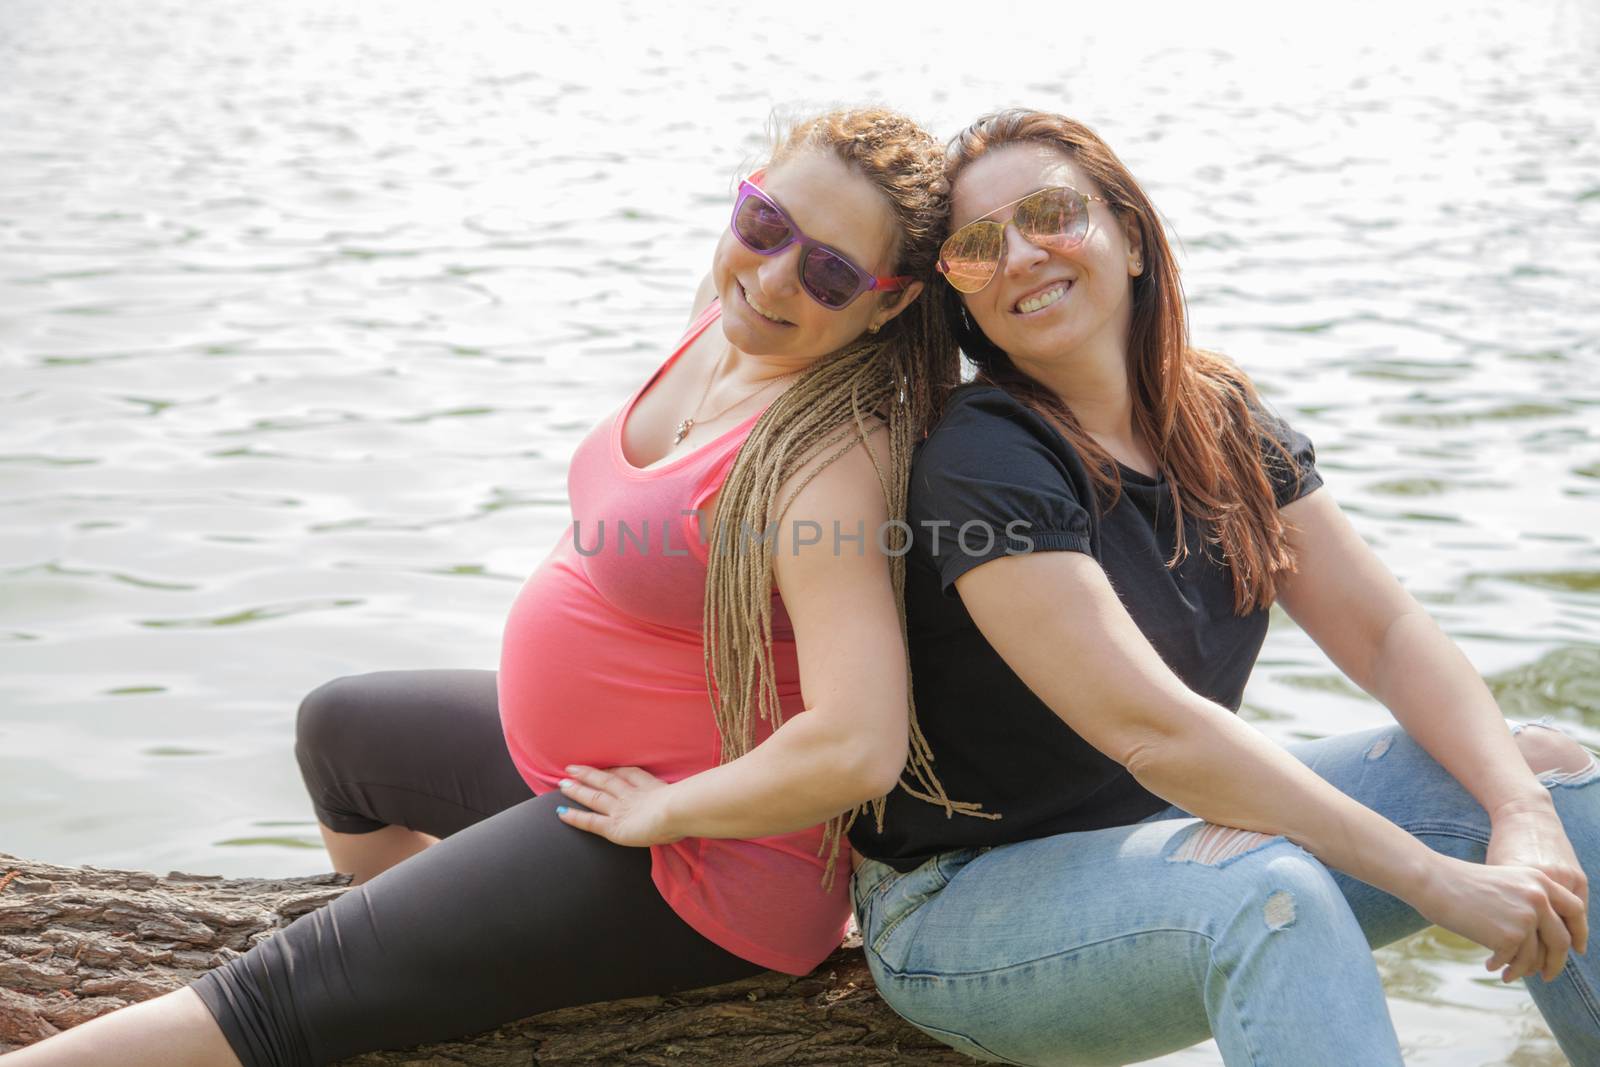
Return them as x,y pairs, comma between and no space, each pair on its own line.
601,664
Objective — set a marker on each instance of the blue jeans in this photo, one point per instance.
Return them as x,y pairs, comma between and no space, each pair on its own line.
1112,946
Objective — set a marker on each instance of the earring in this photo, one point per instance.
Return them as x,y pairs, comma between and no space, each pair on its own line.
872,329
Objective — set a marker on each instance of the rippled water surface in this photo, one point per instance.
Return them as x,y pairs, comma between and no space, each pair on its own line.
304,306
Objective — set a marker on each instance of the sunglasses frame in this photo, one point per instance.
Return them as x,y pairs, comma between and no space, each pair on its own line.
1083,198
866,281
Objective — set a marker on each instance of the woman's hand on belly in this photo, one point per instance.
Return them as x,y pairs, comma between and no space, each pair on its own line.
626,805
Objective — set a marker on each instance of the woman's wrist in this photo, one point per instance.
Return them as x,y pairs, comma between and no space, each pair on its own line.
1422,876
669,817
1535,802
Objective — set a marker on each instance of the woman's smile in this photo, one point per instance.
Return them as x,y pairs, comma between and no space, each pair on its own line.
1046,296
744,295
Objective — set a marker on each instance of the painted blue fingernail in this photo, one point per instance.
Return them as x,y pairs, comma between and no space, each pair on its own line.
561,810
564,782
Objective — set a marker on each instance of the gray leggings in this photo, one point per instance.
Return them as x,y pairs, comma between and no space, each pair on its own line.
512,913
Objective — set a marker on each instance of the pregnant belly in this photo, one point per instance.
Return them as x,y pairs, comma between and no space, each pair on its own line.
581,682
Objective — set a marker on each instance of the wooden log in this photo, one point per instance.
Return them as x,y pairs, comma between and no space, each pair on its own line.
77,942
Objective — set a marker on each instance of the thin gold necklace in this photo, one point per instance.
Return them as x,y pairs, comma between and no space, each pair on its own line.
688,424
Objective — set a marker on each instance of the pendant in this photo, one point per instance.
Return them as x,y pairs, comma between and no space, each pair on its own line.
683,431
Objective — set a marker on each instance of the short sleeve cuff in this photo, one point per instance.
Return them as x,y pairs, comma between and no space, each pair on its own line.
955,562
1287,493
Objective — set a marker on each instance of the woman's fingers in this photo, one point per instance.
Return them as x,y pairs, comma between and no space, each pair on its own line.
605,781
1560,925
1563,925
1504,956
1574,911
600,790
1526,960
636,776
591,788
584,820
1556,941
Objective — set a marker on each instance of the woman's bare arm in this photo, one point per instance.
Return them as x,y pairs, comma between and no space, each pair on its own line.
1376,633
850,744
1055,619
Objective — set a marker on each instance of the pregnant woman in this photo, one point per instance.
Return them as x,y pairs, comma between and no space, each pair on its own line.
650,796
1159,872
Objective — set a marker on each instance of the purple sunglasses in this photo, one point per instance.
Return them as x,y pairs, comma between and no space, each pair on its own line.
829,276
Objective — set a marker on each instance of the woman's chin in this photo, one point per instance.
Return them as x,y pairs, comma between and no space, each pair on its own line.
746,339
1044,342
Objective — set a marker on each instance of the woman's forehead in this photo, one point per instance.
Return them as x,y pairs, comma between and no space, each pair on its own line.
1007,173
836,204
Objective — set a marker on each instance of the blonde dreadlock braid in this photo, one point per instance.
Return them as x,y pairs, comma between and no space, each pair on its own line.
896,378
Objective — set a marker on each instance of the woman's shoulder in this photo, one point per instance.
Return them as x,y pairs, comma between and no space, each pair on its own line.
840,478
978,416
1287,456
991,445
980,400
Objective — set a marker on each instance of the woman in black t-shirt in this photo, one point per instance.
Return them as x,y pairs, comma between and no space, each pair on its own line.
1101,522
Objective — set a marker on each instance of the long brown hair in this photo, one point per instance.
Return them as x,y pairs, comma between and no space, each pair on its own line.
1199,412
897,378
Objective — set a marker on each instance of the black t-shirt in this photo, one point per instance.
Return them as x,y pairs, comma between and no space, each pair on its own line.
991,463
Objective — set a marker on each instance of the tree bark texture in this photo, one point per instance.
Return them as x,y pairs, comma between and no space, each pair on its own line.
77,942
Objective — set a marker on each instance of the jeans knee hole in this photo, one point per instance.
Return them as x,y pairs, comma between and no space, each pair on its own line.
1553,752
1214,845
1279,910
1590,771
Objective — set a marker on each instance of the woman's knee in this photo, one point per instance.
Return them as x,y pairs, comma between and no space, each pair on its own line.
1547,749
1275,878
327,714
1295,882
1215,845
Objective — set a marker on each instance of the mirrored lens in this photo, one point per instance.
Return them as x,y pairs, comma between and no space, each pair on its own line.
760,224
830,279
1053,218
969,256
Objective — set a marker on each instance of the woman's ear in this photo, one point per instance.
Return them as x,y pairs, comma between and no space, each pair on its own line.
1130,227
892,307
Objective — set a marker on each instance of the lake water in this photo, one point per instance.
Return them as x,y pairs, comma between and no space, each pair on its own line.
304,306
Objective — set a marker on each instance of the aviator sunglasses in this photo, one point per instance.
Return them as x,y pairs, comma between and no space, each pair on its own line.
1056,219
829,276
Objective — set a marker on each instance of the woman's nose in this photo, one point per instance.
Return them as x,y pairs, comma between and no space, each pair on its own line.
1022,255
779,274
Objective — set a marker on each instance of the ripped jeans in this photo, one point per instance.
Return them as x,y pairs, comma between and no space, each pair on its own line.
1118,945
